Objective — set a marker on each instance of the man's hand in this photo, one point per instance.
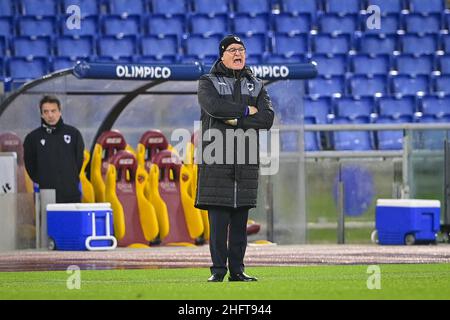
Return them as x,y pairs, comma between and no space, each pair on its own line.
232,122
252,110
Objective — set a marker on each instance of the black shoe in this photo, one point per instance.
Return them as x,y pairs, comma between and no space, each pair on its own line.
216,278
241,277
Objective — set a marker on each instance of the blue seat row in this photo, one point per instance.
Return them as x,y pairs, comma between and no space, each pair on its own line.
364,140
382,85
222,23
53,7
324,109
201,45
366,64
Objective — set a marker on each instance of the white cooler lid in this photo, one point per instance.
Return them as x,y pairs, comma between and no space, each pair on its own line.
79,206
409,203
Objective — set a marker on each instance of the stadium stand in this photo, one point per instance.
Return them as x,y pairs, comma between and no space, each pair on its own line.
406,55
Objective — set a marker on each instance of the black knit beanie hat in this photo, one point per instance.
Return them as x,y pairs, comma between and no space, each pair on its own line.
228,40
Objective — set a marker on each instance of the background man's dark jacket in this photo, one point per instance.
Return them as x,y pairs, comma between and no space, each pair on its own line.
224,94
54,160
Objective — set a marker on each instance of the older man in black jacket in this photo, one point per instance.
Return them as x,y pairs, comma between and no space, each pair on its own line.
234,105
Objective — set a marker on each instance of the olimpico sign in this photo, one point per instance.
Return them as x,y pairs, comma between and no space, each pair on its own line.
182,72
270,71
142,72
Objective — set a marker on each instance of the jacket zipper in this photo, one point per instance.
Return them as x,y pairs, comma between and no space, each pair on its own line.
235,193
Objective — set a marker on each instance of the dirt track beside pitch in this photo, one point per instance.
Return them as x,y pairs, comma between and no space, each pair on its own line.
183,257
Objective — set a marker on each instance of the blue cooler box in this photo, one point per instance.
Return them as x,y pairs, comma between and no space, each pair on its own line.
407,221
81,226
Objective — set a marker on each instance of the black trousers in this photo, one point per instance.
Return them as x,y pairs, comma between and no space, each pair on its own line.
227,225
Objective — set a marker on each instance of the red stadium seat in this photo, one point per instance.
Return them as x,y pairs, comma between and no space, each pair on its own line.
108,144
186,224
135,222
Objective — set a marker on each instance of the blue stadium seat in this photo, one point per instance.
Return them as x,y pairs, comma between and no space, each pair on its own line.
69,46
433,139
36,26
442,84
168,59
410,85
117,47
414,65
296,7
343,7
318,108
87,7
370,64
417,23
387,6
361,85
390,24
159,24
39,8
446,20
246,23
290,23
330,65
326,86
175,7
353,108
32,46
290,44
443,64
331,44
201,46
419,44
206,59
160,46
334,23
254,44
252,6
435,106
289,141
126,7
352,140
23,68
7,8
281,58
60,63
377,44
428,6
2,67
391,139
2,46
254,59
311,138
6,26
206,25
121,25
115,59
397,107
89,27
445,43
210,7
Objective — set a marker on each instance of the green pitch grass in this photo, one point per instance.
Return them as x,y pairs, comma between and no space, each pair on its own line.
419,281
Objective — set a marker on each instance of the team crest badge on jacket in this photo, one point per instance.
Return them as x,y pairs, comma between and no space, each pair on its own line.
67,138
